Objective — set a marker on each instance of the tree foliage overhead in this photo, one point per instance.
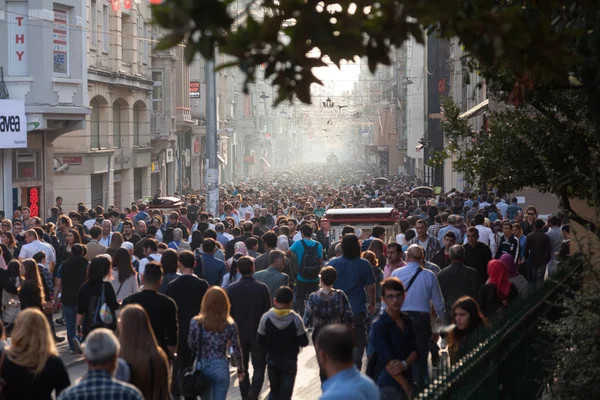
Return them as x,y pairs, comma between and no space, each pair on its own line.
529,38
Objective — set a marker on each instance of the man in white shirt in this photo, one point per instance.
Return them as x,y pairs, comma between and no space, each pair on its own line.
34,245
486,235
106,233
150,254
245,207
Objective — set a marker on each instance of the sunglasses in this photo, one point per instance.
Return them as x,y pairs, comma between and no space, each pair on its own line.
5,226
531,215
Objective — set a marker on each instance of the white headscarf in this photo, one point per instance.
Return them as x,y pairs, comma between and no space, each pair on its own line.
283,243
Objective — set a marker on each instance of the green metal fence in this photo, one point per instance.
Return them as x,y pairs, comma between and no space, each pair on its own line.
506,361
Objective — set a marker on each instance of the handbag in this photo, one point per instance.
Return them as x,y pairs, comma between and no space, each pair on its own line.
48,308
194,382
11,312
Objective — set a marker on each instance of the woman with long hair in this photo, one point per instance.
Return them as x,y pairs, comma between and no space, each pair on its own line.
148,363
498,291
291,261
233,275
31,294
14,278
157,222
211,332
32,368
72,237
377,246
124,278
98,275
115,243
467,317
169,262
8,239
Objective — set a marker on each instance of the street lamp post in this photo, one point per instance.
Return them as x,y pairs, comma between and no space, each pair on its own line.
212,173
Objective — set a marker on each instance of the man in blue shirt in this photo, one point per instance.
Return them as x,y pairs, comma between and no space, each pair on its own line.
394,343
306,283
422,288
513,209
450,228
334,354
211,270
354,275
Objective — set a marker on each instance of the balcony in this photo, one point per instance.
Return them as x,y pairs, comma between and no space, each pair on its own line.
158,125
184,118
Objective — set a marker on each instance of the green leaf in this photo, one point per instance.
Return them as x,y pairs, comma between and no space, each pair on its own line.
169,41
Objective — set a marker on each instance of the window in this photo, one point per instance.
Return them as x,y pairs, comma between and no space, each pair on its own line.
105,29
157,92
60,41
127,39
136,125
95,124
146,44
26,165
116,125
94,23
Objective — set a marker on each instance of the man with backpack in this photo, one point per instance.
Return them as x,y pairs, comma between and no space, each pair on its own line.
309,254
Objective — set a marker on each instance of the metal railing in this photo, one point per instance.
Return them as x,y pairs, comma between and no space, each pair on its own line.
505,360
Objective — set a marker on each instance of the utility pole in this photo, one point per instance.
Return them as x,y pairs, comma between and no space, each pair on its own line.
212,172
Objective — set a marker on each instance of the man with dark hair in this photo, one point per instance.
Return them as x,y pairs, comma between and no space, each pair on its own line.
442,257
53,215
211,269
309,254
555,235
115,219
458,280
513,209
270,241
187,291
334,347
128,233
477,254
174,222
247,315
273,276
252,246
138,248
161,309
282,333
508,243
395,348
430,244
248,229
538,252
378,232
356,279
150,255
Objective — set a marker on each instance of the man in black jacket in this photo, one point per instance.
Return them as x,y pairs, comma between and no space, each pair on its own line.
538,252
69,278
442,257
458,280
250,299
188,291
477,254
248,228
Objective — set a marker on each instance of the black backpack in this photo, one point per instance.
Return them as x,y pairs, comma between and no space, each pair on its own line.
310,266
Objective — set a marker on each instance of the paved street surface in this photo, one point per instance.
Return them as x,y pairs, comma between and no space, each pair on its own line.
308,385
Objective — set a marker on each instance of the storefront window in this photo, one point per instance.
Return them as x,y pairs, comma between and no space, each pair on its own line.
26,165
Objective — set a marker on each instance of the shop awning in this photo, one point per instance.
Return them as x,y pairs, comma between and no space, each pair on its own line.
265,162
475,111
221,158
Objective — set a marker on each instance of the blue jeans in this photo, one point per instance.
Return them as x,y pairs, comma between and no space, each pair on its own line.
282,376
217,370
70,314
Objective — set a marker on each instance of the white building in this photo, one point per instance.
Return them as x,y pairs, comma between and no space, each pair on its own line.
42,48
110,159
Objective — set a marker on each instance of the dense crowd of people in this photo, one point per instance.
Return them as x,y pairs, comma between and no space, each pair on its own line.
164,304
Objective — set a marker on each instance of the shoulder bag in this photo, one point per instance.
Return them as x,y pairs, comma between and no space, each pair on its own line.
194,382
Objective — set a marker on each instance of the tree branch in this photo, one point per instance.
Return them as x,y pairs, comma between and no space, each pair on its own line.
566,205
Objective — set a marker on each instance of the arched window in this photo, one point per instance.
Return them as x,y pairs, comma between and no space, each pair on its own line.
116,125
136,124
95,124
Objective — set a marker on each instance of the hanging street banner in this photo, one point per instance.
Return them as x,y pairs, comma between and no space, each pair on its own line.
13,124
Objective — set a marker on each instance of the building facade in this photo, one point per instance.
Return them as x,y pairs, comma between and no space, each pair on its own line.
42,53
109,161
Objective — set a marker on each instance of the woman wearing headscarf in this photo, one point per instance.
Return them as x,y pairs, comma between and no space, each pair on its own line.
239,248
498,291
291,262
514,276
